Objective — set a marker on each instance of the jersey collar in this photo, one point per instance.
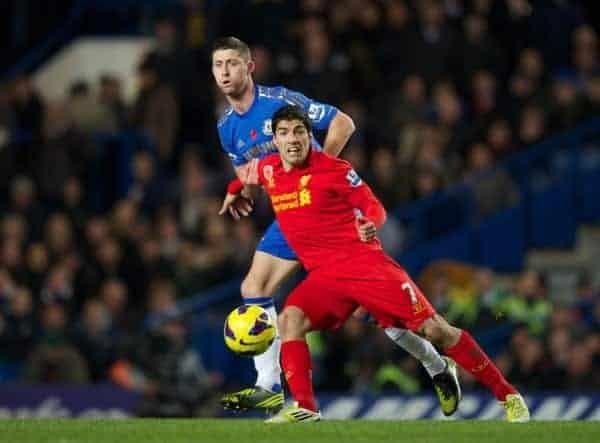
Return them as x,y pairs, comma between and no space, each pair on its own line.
254,101
310,159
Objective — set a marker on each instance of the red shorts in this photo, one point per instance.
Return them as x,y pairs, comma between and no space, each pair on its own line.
374,281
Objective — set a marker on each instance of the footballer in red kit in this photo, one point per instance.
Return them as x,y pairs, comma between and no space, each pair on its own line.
330,218
325,195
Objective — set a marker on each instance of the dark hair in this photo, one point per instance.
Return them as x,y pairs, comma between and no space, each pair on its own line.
80,87
232,43
290,112
148,65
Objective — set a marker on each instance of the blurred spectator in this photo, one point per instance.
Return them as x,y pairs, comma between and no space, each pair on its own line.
95,338
168,232
385,182
592,97
579,370
54,359
404,106
484,96
156,112
59,235
394,41
58,287
11,257
146,190
450,115
245,240
529,362
27,108
194,194
73,204
531,66
479,51
123,222
17,326
111,96
321,75
114,296
36,266
499,138
567,106
585,51
434,43
264,71
25,202
185,74
14,227
161,365
532,126
426,184
528,304
522,90
88,114
493,188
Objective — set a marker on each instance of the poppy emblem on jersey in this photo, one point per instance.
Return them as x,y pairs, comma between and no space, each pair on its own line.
253,134
353,178
268,173
267,129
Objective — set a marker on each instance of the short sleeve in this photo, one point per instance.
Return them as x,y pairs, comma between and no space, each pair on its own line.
348,184
228,148
320,114
344,178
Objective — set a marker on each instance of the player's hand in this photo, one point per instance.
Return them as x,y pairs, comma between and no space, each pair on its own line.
236,205
366,229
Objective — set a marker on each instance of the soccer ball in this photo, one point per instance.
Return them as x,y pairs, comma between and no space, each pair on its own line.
249,330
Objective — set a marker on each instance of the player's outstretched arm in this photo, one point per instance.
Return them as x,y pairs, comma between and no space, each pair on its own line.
339,132
238,201
237,205
372,214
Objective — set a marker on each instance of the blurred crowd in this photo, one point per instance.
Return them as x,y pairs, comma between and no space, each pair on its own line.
440,92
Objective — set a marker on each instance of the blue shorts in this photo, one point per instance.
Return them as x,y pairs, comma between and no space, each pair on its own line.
275,244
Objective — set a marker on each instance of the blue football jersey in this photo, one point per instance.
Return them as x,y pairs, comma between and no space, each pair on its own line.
249,136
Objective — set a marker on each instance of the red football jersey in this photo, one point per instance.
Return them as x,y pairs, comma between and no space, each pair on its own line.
317,205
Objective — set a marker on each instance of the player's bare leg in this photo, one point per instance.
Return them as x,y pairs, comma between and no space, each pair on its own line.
265,276
459,345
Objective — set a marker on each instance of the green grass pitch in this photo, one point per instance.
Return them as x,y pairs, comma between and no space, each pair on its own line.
242,431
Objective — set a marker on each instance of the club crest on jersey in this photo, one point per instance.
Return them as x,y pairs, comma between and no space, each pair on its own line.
240,143
268,174
353,178
253,134
267,129
304,180
316,112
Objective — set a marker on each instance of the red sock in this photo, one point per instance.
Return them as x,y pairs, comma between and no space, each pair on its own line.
296,364
473,359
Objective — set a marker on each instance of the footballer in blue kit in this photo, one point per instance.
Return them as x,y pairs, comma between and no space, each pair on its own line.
246,136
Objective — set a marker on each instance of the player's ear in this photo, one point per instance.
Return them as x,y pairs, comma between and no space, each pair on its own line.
275,141
251,66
